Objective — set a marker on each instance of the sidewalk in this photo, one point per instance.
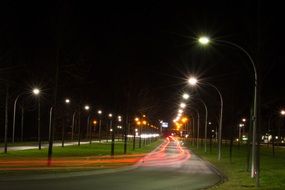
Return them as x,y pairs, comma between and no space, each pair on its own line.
45,145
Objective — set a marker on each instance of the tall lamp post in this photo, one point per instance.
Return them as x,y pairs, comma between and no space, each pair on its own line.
36,92
282,113
112,130
135,131
255,157
100,123
14,117
67,102
193,81
140,133
87,108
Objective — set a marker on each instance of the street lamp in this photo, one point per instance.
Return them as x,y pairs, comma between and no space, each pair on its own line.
282,113
67,102
185,96
135,131
254,163
204,40
100,123
86,107
88,132
193,81
35,92
140,130
182,105
241,125
113,135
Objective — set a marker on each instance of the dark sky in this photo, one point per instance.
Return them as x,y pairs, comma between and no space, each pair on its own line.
139,54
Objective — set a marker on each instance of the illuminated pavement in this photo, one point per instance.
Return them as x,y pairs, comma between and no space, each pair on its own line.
169,167
27,147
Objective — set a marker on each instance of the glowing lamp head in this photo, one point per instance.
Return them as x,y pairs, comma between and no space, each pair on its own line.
182,105
204,40
243,120
110,115
86,107
192,81
282,112
67,101
99,112
185,96
36,91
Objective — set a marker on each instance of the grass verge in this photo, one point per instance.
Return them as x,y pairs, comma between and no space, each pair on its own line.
272,175
70,158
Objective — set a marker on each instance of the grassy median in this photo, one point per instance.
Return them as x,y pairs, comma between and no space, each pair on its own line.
272,175
85,156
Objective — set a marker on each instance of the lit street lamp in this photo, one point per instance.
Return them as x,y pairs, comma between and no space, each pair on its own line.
67,101
241,125
112,129
87,108
193,81
36,92
182,105
140,131
100,123
255,155
14,117
282,113
185,96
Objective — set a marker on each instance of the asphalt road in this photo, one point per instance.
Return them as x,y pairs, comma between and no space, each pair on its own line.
171,166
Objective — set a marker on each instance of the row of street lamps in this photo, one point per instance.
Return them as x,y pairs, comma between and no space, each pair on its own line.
67,101
254,153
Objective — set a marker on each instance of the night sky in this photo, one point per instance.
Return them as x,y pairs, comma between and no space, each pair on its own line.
136,57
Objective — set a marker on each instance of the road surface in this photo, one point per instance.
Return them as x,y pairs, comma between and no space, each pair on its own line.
169,167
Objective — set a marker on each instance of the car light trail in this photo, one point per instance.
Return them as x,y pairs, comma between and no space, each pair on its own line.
162,157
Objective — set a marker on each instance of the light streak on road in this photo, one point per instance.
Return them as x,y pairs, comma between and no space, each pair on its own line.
93,161
169,154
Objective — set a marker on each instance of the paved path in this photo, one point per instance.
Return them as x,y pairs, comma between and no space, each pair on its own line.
170,167
45,145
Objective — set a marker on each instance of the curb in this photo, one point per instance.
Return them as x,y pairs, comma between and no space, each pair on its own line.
214,169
